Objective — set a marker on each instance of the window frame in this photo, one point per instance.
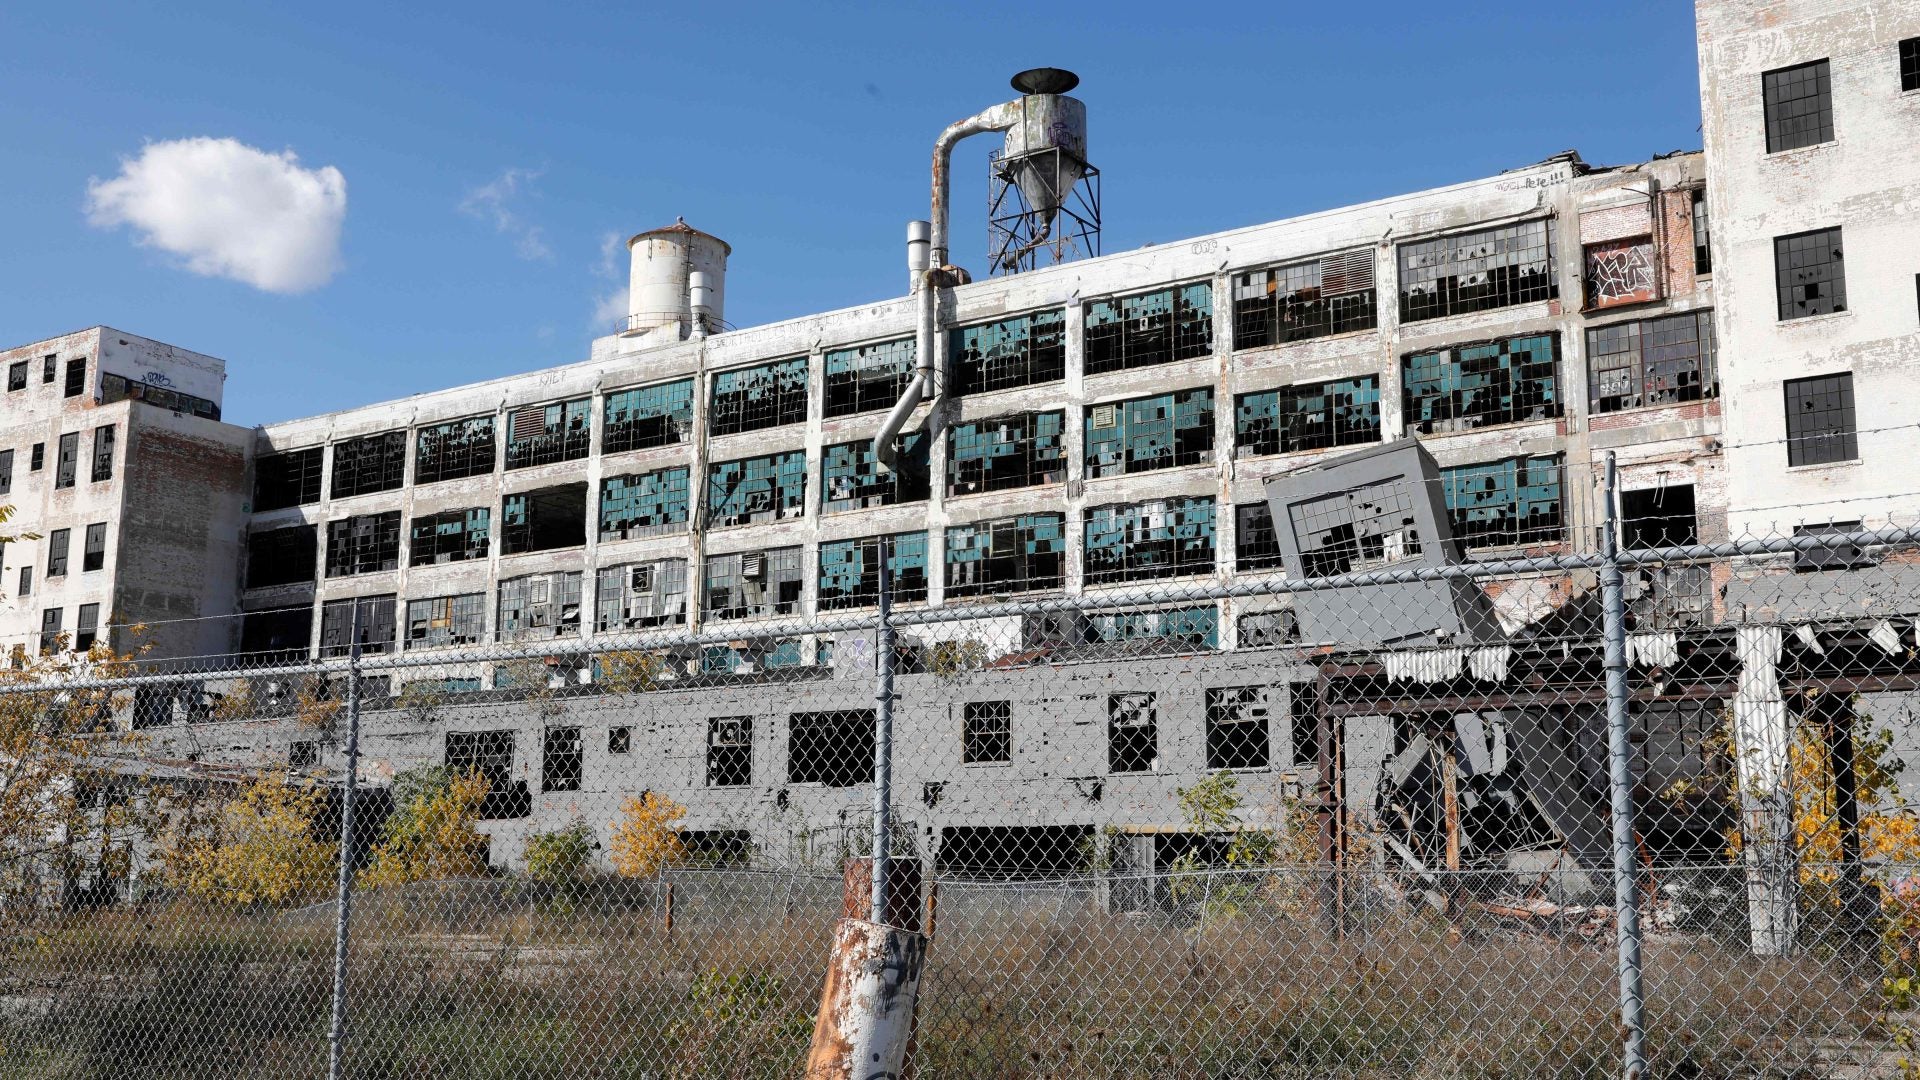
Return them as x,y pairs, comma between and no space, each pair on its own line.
455,449
1142,424
1030,344
1289,301
1789,130
1845,444
1454,250
368,464
1832,273
986,733
736,413
1145,329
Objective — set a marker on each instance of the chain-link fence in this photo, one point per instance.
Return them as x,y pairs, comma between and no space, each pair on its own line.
1615,795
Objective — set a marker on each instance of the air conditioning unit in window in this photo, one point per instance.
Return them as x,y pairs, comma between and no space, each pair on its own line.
640,580
754,566
1105,416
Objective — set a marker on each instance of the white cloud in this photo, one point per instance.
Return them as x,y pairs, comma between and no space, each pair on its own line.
229,210
612,246
493,202
610,312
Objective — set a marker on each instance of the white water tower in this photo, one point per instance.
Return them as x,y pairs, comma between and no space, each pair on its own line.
660,294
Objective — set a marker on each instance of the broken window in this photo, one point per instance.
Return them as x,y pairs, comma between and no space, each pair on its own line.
1153,539
1267,629
1013,852
760,655
1799,106
544,519
49,368
1820,420
1662,361
372,463
1362,529
729,751
1460,388
76,377
850,569
68,463
452,450
986,734
446,620
1161,432
119,388
1133,733
281,556
17,376
1330,295
1151,328
364,544
449,536
868,377
86,628
1019,351
1835,554
1255,547
1702,234
1006,452
620,739
93,555
749,490
562,759
1006,556
540,606
717,847
289,479
762,396
278,635
1237,736
1515,501
6,472
375,624
1658,517
490,755
546,434
641,594
50,630
1619,272
1312,416
26,581
833,749
753,584
102,453
1476,271
1808,274
643,504
851,479
57,541
1910,64
1180,629
648,416
302,755
1303,722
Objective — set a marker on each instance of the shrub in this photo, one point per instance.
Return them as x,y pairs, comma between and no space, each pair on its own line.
430,834
263,849
644,840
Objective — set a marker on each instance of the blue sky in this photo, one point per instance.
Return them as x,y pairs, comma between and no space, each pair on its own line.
474,159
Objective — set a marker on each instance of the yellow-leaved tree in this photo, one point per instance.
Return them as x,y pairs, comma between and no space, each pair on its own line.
644,839
264,847
430,835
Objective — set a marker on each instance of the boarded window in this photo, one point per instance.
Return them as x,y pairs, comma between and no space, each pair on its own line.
449,536
490,755
57,542
753,584
1477,271
639,595
768,488
1006,556
1151,328
1799,104
1820,420
833,749
93,556
446,620
544,519
103,438
373,463
1019,351
289,479
1620,272
729,751
1809,275
375,624
1237,734
1662,361
850,569
762,396
648,416
1312,416
365,544
868,377
1133,733
1320,297
643,504
67,465
562,759
1006,452
552,432
1255,547
1158,538
1515,501
539,606
454,449
1506,381
1161,432
986,735
851,479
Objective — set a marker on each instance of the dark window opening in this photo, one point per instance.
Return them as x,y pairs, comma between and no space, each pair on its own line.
289,479
753,584
1006,452
68,463
1019,351
832,749
364,544
279,635
562,759
1702,233
490,754
729,751
1799,105
544,519
1478,271
1303,723
103,438
1313,416
1658,517
1508,381
303,755
540,606
648,416
50,631
1161,432
1515,501
26,581
987,733
449,536
850,570
1154,539
1151,328
1237,736
1006,556
17,376
120,388
620,740
1663,361
549,433
369,464
1809,274
643,504
93,553
86,629
337,620
639,595
1318,298
76,377
1255,547
446,620
37,460
1014,852
281,556
57,541
1820,420
851,478
1267,629
762,396
1910,64
49,368
452,450
714,848
6,472
1834,554
752,490
868,377
1133,740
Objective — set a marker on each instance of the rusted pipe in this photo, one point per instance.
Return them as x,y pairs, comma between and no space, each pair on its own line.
866,1006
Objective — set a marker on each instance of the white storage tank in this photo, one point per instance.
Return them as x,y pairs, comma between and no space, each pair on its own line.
664,259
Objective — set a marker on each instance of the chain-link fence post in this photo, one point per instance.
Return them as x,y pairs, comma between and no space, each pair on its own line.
343,893
883,742
1626,891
